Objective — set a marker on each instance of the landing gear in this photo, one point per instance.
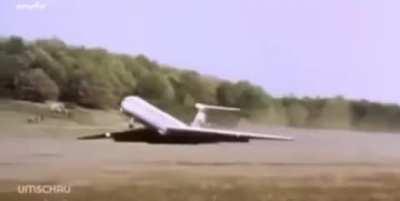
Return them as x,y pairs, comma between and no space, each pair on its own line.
131,124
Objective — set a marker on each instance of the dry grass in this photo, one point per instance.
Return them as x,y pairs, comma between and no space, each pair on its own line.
186,188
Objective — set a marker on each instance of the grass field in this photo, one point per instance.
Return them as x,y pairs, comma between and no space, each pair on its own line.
326,169
183,187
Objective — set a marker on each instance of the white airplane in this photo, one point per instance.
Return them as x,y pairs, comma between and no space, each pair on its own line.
160,127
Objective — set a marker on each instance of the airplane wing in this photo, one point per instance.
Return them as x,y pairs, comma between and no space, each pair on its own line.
229,133
105,135
186,135
149,115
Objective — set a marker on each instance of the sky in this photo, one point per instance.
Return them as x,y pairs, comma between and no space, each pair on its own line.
289,47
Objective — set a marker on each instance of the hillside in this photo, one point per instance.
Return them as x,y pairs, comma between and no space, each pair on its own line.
15,119
49,69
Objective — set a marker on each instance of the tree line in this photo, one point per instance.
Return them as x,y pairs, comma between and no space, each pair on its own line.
49,69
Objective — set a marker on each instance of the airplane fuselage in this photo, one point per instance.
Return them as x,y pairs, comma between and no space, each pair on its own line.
162,128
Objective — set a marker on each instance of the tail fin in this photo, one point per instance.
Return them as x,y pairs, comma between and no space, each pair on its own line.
200,120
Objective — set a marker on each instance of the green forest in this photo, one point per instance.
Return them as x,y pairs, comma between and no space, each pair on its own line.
49,69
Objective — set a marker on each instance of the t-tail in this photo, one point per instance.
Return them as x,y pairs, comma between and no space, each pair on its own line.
200,120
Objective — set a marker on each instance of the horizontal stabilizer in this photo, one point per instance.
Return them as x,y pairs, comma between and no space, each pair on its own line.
202,106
